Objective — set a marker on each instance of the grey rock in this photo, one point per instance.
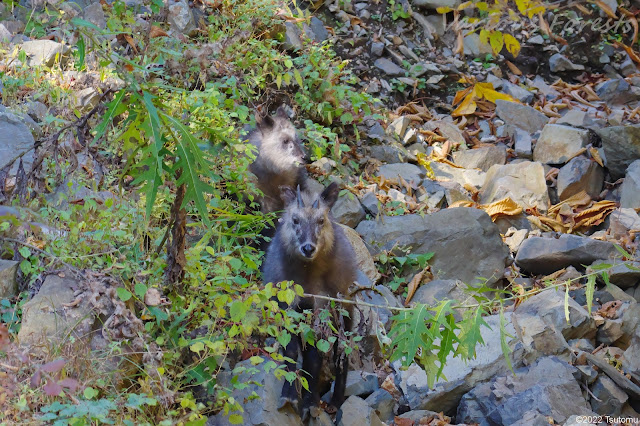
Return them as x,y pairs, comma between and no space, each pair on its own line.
44,52
448,129
388,67
348,211
434,4
536,40
94,14
398,127
578,420
8,284
446,172
86,99
408,172
540,255
360,383
46,319
580,174
422,68
520,93
609,398
181,19
36,110
356,412
16,140
323,419
5,35
292,37
260,411
621,148
514,238
433,292
621,221
474,48
588,373
616,91
383,403
630,190
558,143
370,202
547,388
522,116
631,356
541,324
523,145
462,376
392,152
460,233
429,28
560,63
575,118
628,67
524,182
610,331
318,32
624,274
363,257
417,415
377,48
482,158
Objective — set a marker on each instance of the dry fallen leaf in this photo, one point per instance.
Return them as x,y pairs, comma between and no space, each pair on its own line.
414,284
610,309
152,297
157,32
504,207
596,156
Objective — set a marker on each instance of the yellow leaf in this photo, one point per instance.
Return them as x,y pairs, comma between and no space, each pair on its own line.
535,10
496,40
465,5
482,6
460,95
504,207
467,106
523,5
443,10
512,45
486,91
279,80
596,156
298,77
462,203
484,36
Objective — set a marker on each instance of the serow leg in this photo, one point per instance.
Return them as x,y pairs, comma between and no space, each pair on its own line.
311,364
289,395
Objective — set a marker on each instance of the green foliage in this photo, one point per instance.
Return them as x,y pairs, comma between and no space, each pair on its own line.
11,312
399,10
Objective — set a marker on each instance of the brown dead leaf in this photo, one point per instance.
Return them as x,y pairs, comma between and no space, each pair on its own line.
4,336
504,207
156,32
152,297
513,68
594,215
632,54
606,9
401,421
578,200
389,385
414,284
596,156
577,97
634,23
462,203
610,309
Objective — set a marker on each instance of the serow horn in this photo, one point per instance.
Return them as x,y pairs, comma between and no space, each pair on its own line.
299,198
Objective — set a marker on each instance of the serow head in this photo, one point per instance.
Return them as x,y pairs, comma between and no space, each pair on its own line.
280,141
306,224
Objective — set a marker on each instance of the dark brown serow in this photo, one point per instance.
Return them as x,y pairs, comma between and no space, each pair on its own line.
312,251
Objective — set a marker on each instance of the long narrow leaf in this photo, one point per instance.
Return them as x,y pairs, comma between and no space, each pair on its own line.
506,350
110,114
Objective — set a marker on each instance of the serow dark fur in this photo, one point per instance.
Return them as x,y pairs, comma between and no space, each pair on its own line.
280,160
312,251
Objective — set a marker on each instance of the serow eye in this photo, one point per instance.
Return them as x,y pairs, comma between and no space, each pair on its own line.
320,222
295,221
286,142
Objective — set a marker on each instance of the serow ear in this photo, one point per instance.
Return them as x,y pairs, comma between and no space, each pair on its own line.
264,122
287,194
282,112
330,195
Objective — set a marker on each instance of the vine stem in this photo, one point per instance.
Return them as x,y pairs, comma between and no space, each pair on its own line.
462,306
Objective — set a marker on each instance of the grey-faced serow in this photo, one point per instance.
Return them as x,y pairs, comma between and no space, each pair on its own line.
311,250
280,159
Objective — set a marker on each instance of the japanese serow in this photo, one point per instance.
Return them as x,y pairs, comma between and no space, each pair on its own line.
312,251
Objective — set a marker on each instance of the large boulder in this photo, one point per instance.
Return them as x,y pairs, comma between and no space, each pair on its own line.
522,116
621,146
347,210
466,243
408,172
540,255
356,412
546,389
523,182
557,143
363,257
44,52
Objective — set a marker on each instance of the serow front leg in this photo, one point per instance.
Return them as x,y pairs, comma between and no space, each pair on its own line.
289,395
311,364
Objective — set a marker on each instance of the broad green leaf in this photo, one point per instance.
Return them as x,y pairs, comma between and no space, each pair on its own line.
140,290
298,77
156,146
82,50
237,310
123,294
236,419
623,252
410,333
197,347
323,345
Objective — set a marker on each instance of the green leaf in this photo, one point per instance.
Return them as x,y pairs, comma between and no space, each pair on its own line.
112,111
90,393
123,294
346,118
155,163
197,347
288,63
623,252
24,252
411,333
323,345
82,49
298,77
236,419
237,310
591,285
506,350
140,290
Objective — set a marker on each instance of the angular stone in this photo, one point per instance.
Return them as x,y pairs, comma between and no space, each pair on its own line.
408,172
86,99
356,412
616,91
523,145
318,31
360,383
630,190
44,52
8,284
540,255
459,233
524,182
522,116
347,210
292,37
398,127
383,402
481,158
621,221
575,118
580,174
623,274
94,14
392,152
559,63
434,4
417,415
445,172
259,411
363,257
46,319
388,67
474,47
621,148
610,398
371,203
520,93
547,388
557,143
448,130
